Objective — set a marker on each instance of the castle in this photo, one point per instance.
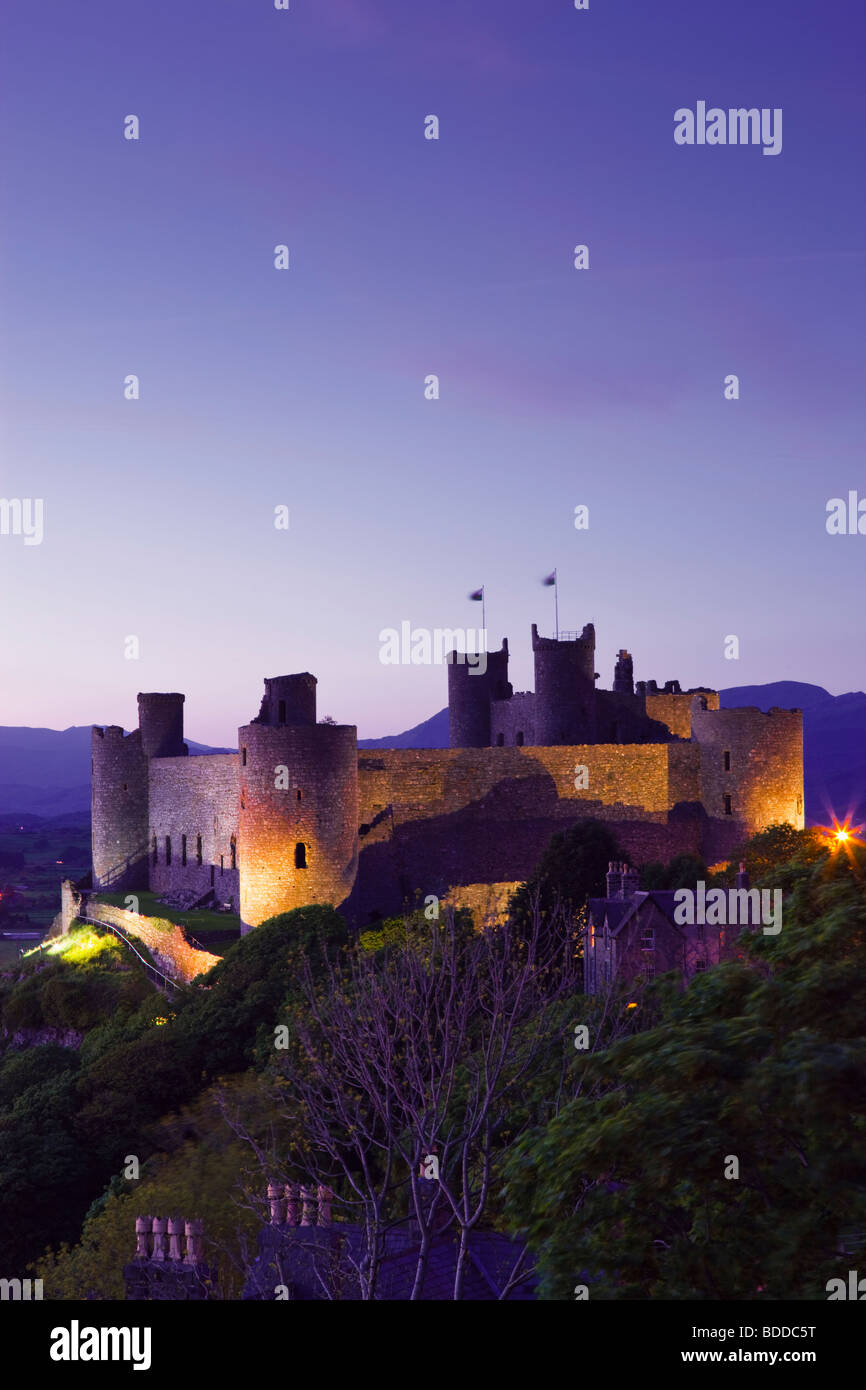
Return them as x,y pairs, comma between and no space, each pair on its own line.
300,815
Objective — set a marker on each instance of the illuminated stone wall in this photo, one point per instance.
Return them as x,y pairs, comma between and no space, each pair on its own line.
191,797
317,810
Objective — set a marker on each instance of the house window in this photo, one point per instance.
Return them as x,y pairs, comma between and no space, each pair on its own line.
234,848
728,811
198,849
519,739
648,939
300,855
168,849
500,740
154,850
700,965
281,712
183,850
727,758
243,757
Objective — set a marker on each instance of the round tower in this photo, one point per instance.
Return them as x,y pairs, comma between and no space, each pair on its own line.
564,688
751,766
119,805
471,688
160,719
288,700
298,811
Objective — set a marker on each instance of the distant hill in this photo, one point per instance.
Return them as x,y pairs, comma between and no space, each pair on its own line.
46,772
433,733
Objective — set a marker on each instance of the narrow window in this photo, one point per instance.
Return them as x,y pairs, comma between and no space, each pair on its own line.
234,847
183,850
211,875
168,849
243,757
519,739
500,740
222,867
198,849
281,712
154,850
300,794
300,855
728,811
124,786
727,761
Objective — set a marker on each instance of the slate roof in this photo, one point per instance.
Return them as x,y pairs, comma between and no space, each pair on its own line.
620,910
293,1254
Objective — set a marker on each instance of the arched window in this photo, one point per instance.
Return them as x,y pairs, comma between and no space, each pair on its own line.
234,848
183,850
300,855
168,849
198,849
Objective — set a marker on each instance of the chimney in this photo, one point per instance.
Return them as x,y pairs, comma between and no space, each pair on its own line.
614,880
743,877
630,880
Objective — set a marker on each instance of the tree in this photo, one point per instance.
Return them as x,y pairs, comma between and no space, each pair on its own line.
721,1154
571,870
420,1050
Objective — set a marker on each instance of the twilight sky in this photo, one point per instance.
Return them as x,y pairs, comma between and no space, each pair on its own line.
305,387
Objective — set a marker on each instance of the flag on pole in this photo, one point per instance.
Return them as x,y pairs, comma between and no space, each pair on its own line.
550,582
477,595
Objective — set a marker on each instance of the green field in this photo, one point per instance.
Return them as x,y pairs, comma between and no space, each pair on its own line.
31,889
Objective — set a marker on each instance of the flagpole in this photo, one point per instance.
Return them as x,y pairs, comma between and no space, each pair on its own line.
556,601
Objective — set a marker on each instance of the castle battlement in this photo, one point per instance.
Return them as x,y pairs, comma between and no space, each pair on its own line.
299,816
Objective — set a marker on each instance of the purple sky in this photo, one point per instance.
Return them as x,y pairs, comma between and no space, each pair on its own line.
408,257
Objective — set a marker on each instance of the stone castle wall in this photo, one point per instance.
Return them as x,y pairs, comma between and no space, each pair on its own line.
763,774
510,718
192,797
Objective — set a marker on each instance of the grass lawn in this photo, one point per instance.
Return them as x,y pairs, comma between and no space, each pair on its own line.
201,920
